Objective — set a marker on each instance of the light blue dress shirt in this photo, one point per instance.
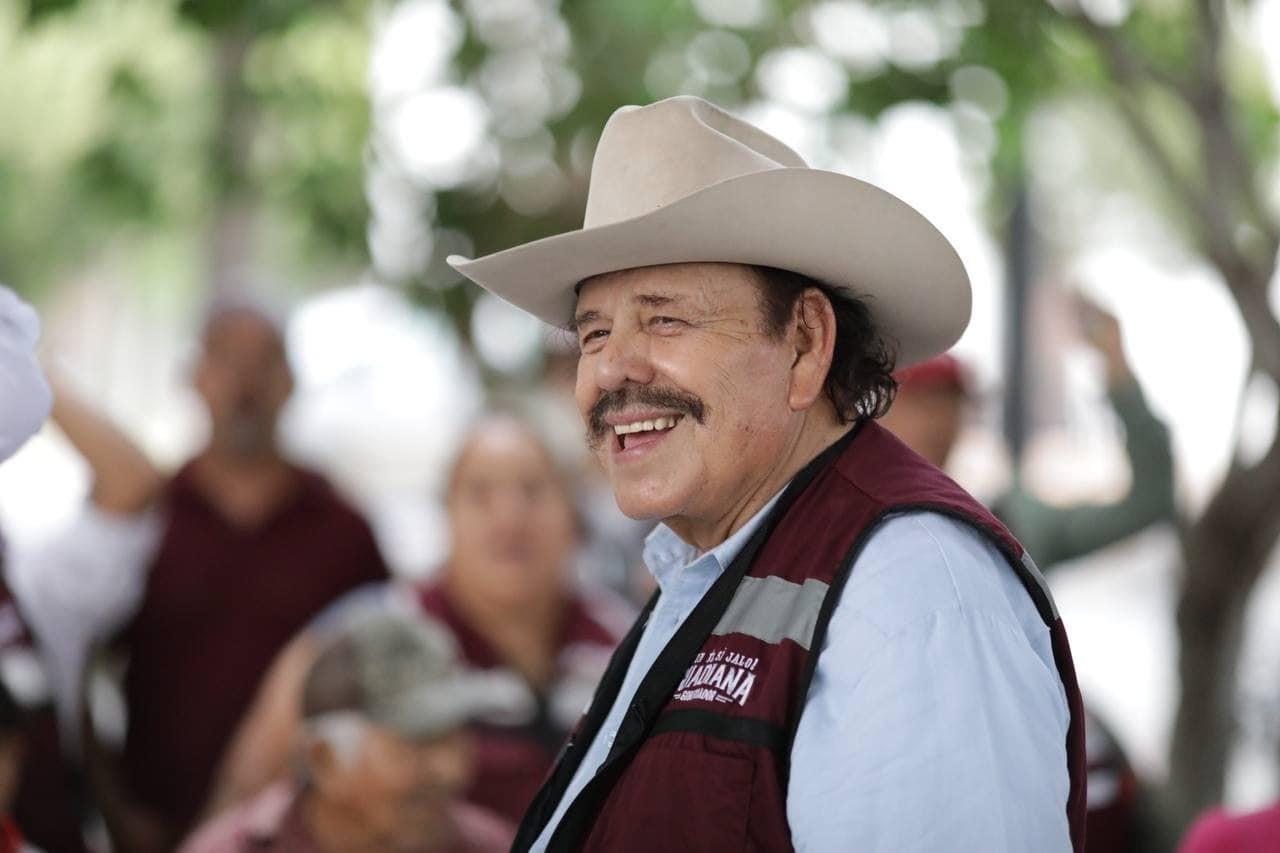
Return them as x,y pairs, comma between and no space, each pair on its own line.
935,720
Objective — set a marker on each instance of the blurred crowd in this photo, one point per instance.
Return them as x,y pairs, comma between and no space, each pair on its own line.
282,691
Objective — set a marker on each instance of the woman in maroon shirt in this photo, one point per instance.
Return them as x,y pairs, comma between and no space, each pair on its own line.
506,592
507,595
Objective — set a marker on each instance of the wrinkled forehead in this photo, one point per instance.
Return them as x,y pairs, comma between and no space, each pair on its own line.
708,285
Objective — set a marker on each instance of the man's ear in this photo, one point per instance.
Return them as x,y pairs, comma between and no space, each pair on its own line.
814,336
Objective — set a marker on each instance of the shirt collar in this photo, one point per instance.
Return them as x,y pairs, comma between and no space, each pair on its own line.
308,489
666,554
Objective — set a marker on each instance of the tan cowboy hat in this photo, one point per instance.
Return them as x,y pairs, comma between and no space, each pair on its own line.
682,180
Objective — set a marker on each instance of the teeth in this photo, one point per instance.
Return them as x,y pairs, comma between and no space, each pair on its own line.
645,426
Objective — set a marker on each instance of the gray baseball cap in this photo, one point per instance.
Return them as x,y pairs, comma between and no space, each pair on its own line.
402,671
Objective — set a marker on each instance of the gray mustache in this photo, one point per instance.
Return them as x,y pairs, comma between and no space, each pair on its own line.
639,395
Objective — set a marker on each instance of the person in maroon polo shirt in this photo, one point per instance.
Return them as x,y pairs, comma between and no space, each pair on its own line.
506,593
251,548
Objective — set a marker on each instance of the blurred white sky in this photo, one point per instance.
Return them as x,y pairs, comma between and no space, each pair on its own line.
385,391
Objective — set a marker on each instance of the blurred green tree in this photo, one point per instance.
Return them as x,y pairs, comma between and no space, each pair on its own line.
185,142
1185,85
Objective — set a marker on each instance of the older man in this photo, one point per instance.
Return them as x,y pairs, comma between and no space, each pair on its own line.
384,756
846,652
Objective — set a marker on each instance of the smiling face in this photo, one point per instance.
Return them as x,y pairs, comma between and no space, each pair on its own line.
691,408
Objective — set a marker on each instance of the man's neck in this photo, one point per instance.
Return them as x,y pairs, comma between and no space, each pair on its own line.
525,637
245,490
819,431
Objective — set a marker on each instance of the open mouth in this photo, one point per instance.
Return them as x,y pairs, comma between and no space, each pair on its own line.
631,436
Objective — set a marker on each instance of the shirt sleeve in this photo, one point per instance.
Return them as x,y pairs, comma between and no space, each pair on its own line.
936,719
80,586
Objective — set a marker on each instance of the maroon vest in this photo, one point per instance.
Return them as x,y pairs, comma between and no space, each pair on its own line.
701,759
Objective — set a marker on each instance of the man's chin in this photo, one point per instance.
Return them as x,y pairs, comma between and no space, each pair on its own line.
646,505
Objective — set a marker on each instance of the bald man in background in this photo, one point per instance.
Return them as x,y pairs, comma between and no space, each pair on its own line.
214,569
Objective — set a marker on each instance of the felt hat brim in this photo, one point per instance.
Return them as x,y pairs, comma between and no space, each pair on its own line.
831,227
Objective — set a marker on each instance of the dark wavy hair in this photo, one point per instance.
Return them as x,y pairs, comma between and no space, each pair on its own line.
860,383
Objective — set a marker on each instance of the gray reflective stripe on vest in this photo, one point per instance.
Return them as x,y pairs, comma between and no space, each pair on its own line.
1034,570
772,609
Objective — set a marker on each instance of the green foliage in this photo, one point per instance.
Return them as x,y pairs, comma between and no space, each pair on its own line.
255,16
117,117
307,86
97,134
121,118
37,9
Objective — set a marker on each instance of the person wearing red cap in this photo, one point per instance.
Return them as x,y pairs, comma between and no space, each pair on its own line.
929,411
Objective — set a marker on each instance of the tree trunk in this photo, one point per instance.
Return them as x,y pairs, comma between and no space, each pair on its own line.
1210,609
1225,552
230,247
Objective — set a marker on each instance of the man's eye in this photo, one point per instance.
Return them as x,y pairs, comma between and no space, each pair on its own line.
667,322
594,335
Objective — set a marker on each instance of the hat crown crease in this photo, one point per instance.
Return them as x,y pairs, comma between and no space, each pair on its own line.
649,157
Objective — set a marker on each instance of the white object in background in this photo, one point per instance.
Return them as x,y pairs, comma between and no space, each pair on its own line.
24,394
77,588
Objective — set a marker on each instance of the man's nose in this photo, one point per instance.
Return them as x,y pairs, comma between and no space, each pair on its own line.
624,358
